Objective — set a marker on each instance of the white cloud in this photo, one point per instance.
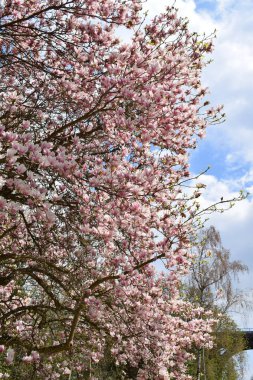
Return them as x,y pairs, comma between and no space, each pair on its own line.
199,21
155,7
230,77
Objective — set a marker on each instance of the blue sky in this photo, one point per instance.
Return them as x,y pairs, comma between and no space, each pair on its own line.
227,148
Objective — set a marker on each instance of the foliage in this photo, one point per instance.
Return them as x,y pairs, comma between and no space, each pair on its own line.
94,141
211,285
226,360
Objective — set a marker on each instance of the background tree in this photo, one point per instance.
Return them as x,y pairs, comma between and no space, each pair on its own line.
211,285
95,135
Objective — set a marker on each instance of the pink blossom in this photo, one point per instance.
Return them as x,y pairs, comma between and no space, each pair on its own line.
10,356
27,359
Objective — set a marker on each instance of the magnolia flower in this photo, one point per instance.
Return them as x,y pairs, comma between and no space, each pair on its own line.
163,373
21,169
25,124
66,371
27,359
10,356
35,355
2,202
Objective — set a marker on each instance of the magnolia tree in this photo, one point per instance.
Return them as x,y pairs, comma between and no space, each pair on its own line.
93,154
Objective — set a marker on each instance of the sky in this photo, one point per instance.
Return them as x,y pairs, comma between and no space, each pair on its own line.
227,148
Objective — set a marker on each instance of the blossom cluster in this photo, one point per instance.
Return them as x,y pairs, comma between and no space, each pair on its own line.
94,142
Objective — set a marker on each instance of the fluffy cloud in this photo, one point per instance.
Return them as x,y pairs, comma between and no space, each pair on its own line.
200,21
230,77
